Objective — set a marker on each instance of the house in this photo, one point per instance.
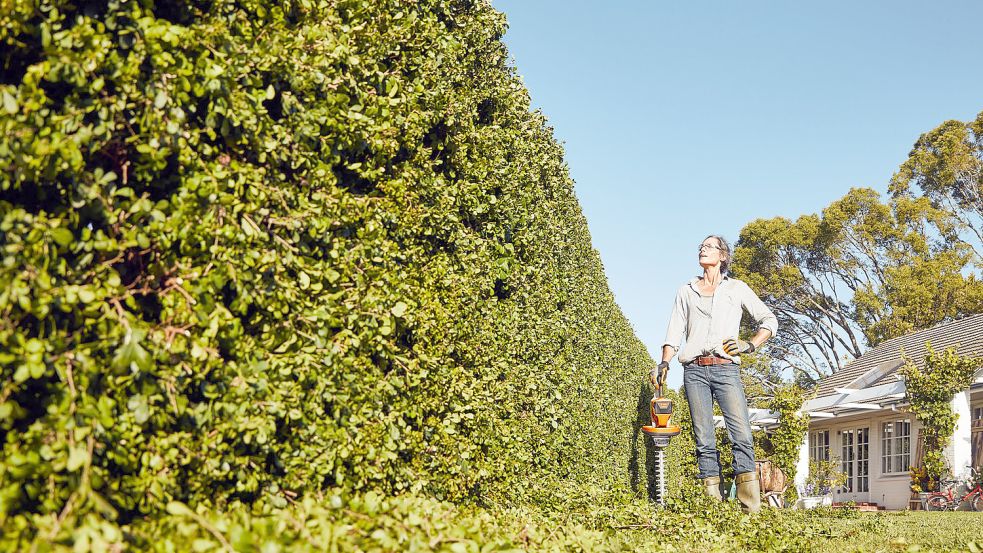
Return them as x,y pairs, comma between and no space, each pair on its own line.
859,418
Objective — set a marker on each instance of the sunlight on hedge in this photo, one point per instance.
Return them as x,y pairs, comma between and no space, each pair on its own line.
257,254
311,275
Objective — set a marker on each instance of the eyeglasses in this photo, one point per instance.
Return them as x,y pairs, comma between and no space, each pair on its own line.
708,247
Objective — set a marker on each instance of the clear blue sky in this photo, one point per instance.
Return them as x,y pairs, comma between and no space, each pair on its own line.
682,119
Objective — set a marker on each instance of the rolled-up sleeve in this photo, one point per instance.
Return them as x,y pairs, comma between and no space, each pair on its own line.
759,311
677,322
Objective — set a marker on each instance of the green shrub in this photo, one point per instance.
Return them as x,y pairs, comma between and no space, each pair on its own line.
361,523
257,253
588,519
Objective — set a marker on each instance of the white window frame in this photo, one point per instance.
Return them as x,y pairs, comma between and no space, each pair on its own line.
863,459
848,453
819,448
895,446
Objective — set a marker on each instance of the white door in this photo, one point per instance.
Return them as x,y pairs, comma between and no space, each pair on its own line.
855,463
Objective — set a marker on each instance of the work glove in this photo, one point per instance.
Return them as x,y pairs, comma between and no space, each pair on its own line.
658,372
734,347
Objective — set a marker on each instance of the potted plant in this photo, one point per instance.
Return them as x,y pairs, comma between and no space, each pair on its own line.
922,483
824,476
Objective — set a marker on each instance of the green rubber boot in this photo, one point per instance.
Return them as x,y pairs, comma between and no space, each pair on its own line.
711,486
748,492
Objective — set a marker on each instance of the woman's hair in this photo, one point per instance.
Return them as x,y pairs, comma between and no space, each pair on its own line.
724,249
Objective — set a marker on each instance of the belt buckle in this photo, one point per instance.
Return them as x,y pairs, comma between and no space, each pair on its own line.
710,360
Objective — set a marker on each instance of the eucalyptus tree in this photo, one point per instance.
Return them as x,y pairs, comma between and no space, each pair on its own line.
946,166
857,273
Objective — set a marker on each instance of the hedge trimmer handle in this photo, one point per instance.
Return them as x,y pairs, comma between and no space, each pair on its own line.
660,380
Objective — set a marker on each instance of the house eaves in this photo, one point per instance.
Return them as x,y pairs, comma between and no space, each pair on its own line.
849,402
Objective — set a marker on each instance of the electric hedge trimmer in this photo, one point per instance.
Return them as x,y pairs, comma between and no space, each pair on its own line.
661,432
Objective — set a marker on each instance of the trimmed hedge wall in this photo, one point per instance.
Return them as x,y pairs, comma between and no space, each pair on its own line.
255,252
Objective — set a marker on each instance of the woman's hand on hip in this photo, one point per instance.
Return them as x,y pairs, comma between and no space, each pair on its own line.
734,346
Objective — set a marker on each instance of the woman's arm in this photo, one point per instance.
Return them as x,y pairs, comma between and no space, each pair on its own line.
767,321
767,324
668,352
760,337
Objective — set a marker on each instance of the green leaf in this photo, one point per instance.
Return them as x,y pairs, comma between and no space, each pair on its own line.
37,369
62,236
140,407
131,355
9,103
34,346
247,227
22,373
201,545
77,457
179,509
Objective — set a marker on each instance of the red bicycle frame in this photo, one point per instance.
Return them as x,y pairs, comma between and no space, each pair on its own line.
943,501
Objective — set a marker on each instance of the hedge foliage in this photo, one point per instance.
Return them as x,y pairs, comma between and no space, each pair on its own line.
255,253
314,264
586,520
600,523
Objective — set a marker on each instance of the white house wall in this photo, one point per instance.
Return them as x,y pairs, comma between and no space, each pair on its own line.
802,466
960,450
889,490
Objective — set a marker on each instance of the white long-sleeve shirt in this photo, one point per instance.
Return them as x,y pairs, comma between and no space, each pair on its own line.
706,321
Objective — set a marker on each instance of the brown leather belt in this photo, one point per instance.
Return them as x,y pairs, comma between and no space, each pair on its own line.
705,360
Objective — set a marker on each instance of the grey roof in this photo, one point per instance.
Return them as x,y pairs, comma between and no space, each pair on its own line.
966,335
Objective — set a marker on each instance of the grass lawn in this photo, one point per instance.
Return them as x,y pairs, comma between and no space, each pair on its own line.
905,531
908,531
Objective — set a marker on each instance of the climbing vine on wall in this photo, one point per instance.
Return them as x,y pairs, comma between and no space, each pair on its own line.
929,391
792,427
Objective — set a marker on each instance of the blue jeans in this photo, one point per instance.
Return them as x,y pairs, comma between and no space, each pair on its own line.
723,383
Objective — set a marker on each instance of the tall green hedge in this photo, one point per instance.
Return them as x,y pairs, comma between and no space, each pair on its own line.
254,252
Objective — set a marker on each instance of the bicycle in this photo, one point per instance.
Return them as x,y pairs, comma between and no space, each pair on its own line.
945,500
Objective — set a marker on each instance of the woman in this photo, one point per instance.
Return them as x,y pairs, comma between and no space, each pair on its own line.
707,315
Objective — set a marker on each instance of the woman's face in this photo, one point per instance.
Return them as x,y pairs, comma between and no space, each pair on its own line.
710,253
